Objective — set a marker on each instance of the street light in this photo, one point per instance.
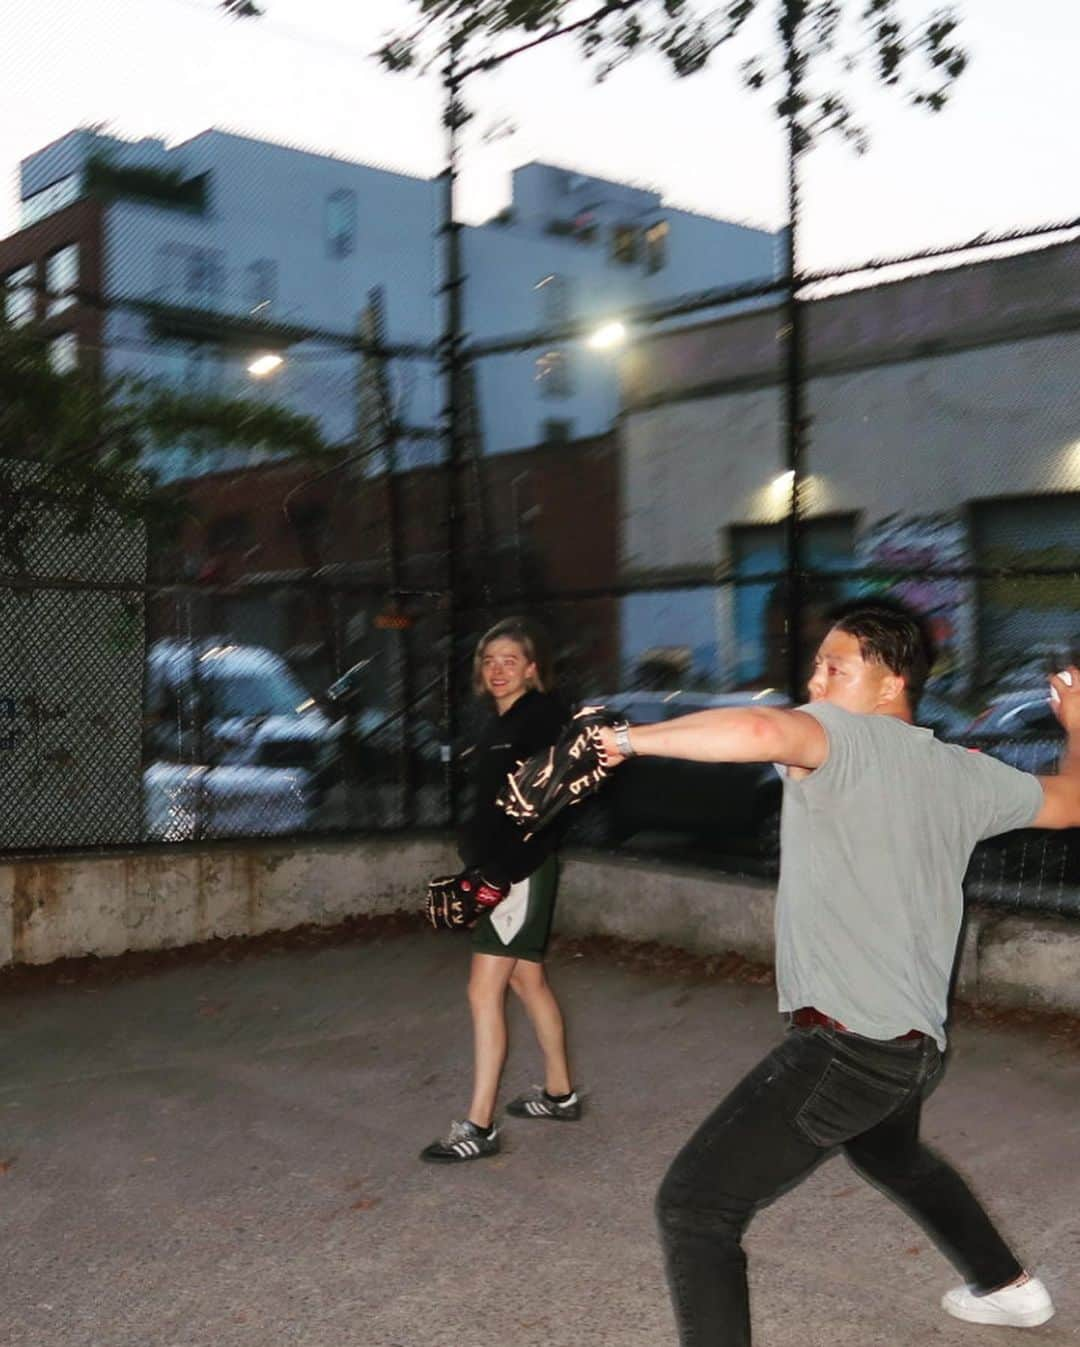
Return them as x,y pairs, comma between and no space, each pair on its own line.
608,335
776,494
264,365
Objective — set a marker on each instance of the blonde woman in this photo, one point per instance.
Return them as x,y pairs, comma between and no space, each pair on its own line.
512,673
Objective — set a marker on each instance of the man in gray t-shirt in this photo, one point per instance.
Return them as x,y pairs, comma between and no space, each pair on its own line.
874,844
879,822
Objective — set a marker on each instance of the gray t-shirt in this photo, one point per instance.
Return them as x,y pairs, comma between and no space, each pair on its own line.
873,849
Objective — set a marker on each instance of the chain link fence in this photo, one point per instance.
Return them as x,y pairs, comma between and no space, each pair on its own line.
625,419
71,668
279,658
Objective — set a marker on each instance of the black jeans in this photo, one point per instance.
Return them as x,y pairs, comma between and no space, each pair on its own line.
816,1090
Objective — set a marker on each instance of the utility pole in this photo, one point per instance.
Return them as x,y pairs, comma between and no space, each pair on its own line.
384,432
794,357
451,368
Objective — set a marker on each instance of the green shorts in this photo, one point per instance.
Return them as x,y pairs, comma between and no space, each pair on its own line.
530,942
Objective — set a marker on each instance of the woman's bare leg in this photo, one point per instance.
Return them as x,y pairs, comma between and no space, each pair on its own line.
530,983
488,979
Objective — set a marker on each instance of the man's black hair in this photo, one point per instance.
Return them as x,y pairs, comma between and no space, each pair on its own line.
890,632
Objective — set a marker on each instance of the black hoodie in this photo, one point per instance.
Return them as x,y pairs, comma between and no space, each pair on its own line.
490,841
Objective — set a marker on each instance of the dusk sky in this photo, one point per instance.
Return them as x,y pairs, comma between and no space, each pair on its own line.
1002,155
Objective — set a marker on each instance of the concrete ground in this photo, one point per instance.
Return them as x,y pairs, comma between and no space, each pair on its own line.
223,1154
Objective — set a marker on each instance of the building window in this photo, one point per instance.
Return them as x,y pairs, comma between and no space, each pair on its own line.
554,294
582,227
205,273
340,223
1026,620
309,522
20,301
229,533
202,370
553,374
260,286
50,199
656,247
625,244
64,353
556,430
190,275
762,601
61,279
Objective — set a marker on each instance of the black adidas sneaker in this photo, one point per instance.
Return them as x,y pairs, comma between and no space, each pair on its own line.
464,1141
537,1103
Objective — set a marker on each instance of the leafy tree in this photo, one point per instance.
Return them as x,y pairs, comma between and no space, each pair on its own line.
75,444
921,59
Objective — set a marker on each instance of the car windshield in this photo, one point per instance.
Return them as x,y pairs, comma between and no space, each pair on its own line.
258,692
644,713
1040,719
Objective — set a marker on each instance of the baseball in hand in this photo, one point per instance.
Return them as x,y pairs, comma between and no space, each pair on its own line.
1066,678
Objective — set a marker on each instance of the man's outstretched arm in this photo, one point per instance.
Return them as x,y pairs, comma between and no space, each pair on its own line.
1061,793
741,734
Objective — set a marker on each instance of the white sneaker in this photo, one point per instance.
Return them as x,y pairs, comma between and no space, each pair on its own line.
1019,1306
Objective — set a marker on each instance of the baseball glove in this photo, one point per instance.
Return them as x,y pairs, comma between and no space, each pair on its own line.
565,774
454,902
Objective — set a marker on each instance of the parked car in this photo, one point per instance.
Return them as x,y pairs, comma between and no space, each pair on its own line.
1020,728
184,802
1030,670
233,742
729,809
377,732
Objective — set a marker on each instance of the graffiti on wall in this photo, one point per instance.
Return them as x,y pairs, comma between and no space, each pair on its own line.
917,559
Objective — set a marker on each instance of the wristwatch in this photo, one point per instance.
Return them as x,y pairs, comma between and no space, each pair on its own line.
622,740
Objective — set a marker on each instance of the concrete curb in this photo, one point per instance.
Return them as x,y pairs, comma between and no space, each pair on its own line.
681,906
69,906
75,905
1023,960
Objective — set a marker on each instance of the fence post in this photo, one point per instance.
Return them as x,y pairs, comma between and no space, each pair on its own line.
451,367
794,371
385,432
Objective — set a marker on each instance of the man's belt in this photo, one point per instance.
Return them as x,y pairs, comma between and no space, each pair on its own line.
806,1017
